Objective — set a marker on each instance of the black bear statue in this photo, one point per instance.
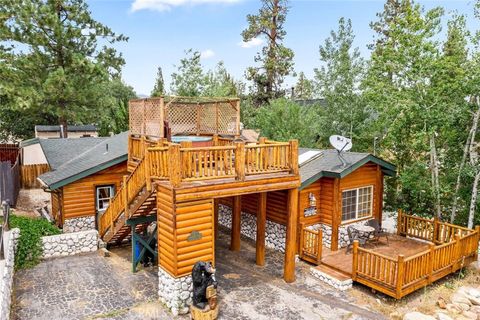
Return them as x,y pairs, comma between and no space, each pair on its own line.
203,275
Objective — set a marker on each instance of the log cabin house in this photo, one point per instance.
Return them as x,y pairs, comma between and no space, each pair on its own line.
184,166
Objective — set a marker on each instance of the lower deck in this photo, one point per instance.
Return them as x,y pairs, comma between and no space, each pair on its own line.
342,261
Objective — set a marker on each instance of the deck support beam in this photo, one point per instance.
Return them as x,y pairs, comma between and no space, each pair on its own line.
291,236
236,223
261,222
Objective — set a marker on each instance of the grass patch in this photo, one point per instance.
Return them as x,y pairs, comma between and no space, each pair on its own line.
29,247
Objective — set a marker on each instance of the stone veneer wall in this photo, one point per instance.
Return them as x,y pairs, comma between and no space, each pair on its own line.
69,244
342,233
175,293
7,267
274,233
79,224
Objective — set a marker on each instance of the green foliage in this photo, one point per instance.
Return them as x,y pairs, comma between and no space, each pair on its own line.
284,119
304,87
276,60
29,245
52,60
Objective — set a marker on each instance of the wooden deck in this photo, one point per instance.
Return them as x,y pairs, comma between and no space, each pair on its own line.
342,261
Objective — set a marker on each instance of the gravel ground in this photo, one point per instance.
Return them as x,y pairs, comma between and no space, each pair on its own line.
30,199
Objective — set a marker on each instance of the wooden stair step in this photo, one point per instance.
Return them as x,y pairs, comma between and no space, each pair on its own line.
341,276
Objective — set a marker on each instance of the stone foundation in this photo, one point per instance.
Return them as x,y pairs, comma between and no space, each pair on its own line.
7,267
175,293
343,240
328,279
69,244
79,224
274,233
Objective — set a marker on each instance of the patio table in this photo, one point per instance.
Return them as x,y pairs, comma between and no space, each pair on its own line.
364,231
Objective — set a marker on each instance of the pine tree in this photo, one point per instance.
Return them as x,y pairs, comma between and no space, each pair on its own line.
276,60
303,88
159,88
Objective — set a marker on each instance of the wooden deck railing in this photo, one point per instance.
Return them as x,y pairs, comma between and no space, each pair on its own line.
397,277
311,244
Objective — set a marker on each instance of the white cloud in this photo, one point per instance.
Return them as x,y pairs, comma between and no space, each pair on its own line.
166,5
206,54
255,42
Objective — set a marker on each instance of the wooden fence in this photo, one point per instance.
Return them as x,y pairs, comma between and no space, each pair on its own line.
9,152
29,174
451,248
9,181
310,244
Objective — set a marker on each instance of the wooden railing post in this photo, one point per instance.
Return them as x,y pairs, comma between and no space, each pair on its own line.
148,179
142,146
431,247
110,215
354,260
302,239
435,230
240,161
399,222
400,275
293,156
175,165
215,139
125,195
477,230
319,244
458,253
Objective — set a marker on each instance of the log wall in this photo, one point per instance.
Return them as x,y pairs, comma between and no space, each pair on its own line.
79,196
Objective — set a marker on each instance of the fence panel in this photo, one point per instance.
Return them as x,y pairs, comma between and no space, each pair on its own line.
9,182
311,245
29,174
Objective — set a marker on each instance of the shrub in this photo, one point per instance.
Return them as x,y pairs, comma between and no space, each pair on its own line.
29,247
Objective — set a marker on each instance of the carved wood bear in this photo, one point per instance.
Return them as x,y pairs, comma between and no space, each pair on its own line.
203,275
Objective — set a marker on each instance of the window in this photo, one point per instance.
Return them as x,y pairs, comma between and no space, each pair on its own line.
357,203
104,194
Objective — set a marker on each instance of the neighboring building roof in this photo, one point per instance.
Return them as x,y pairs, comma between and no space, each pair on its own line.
74,159
312,102
70,128
250,135
29,142
327,163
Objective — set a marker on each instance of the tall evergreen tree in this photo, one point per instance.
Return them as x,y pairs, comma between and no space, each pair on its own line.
276,60
51,51
159,88
189,79
303,88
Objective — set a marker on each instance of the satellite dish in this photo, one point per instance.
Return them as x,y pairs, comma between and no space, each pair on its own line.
341,143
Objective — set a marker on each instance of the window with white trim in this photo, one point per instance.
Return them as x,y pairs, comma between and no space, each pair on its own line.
357,203
104,194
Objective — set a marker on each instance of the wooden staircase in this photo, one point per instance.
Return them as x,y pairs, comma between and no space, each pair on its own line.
135,198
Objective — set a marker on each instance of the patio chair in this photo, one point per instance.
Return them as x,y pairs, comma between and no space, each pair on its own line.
352,236
379,232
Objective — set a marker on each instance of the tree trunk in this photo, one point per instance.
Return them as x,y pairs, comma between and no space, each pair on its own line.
473,201
434,168
271,50
466,150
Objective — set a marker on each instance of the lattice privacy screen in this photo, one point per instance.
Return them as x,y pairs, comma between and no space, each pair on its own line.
184,117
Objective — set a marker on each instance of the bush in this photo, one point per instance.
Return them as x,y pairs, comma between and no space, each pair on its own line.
29,247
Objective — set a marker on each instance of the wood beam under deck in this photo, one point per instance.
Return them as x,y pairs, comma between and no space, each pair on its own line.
236,223
261,222
291,236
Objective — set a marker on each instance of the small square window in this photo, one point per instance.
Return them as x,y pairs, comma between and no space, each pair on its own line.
104,194
357,203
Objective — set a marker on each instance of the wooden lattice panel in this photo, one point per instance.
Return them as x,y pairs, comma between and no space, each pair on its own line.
208,118
182,118
153,117
135,115
227,119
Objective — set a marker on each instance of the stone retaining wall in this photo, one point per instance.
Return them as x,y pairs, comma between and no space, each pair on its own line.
274,233
69,244
175,293
343,240
7,267
79,224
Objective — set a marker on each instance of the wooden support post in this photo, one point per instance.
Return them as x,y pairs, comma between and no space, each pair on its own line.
237,121
291,236
162,117
400,275
431,247
337,214
130,149
399,222
240,161
320,246
458,253
215,139
174,164
301,240
354,260
435,230
293,156
215,217
142,145
261,222
236,223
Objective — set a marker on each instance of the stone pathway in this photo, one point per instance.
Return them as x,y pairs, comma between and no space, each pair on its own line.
93,287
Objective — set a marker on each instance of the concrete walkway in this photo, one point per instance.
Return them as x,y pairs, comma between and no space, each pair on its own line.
92,287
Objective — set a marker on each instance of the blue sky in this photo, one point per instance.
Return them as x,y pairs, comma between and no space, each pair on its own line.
160,31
